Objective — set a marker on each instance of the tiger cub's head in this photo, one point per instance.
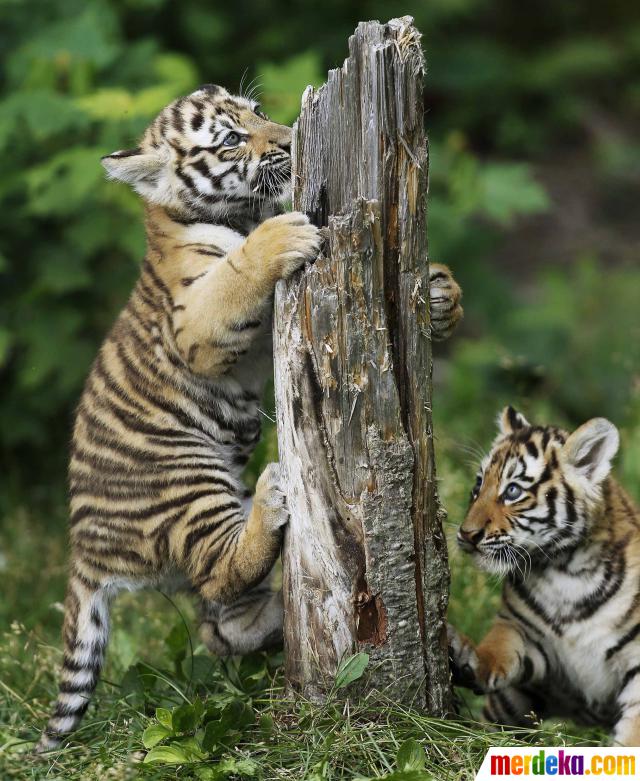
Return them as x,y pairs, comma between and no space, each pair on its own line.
536,492
207,155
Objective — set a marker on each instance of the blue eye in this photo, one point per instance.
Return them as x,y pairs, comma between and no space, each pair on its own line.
512,492
232,139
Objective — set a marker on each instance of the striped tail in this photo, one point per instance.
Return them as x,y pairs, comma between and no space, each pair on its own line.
85,636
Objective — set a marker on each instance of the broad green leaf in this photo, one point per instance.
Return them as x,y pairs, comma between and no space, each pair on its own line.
167,755
154,734
243,767
411,756
185,718
200,669
239,714
351,669
163,715
233,720
214,735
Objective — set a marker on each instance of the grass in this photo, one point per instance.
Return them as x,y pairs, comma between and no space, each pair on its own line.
155,662
233,717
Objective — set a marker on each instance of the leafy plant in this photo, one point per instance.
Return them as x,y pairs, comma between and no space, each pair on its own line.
351,669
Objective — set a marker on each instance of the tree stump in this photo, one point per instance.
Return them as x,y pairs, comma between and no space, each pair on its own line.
364,561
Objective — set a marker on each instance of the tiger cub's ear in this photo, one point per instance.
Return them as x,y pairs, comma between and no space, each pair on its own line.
591,448
510,421
133,166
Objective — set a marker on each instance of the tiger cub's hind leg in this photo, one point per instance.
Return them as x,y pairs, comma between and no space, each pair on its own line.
85,636
251,623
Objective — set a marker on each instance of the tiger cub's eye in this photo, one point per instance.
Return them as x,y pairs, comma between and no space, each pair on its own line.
231,139
476,488
512,492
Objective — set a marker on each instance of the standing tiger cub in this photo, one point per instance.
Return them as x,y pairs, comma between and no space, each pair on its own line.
545,512
170,411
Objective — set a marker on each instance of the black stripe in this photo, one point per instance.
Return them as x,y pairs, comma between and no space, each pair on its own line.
197,120
630,675
535,607
507,706
148,269
63,710
68,687
211,512
72,666
196,535
140,515
245,325
187,281
178,119
119,552
227,535
210,253
624,640
522,619
142,489
112,385
88,583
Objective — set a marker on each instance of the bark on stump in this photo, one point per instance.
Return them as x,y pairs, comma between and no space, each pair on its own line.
365,563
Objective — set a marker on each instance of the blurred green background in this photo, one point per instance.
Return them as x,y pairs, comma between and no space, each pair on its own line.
533,117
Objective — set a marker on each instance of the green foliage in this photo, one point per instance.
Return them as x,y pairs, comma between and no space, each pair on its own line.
351,669
83,78
223,733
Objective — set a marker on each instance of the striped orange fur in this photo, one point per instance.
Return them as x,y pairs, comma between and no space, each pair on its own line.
546,513
170,412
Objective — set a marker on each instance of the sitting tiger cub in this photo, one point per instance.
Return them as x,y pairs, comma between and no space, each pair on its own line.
545,512
171,410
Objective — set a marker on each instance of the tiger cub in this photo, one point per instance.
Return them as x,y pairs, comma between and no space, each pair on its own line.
546,513
171,410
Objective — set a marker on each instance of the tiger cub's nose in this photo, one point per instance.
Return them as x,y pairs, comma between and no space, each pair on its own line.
468,540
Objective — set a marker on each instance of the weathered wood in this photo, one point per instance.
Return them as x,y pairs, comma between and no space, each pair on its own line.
365,563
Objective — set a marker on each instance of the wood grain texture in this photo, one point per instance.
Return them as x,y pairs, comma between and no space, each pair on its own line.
365,565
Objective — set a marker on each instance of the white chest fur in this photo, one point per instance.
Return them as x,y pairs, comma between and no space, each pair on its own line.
584,606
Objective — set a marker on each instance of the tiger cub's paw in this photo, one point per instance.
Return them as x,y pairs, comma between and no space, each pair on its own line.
497,669
444,296
286,243
463,659
271,499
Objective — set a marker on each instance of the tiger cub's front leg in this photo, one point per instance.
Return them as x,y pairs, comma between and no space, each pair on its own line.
228,558
505,658
217,315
